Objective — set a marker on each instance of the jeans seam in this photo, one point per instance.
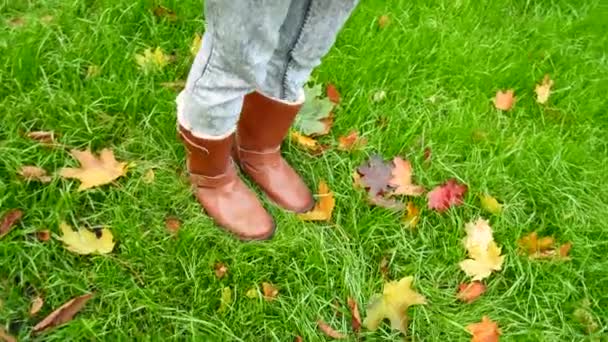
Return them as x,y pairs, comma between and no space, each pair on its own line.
293,47
208,61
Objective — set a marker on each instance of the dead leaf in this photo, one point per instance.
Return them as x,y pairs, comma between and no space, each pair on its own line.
172,224
384,21
164,12
34,173
470,292
16,22
428,154
43,137
175,85
544,247
307,143
483,252
93,71
355,317
95,171
5,337
401,179
329,331
315,117
543,90
196,44
323,208
270,292
152,60
357,180
376,175
332,94
412,215
351,141
84,241
379,96
393,303
387,203
564,249
447,195
220,270
63,314
149,176
298,339
225,299
384,267
490,204
9,220
43,235
37,304
504,100
485,331
252,293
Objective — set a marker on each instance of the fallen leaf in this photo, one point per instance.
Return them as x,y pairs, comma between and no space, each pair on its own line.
544,247
357,180
152,60
355,317
504,100
298,339
220,270
175,85
490,204
485,331
315,116
34,173
387,203
164,12
329,331
63,314
332,94
172,224
384,21
16,22
5,337
149,176
379,96
323,208
376,175
483,252
384,270
586,318
447,195
412,215
94,171
306,143
43,137
393,303
351,141
9,220
470,292
84,241
37,304
196,44
225,299
270,292
93,71
43,235
428,154
252,293
401,179
543,90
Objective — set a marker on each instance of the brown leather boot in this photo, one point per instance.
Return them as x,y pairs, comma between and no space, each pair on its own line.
263,125
221,192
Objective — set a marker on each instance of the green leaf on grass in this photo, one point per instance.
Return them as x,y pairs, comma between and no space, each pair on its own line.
315,117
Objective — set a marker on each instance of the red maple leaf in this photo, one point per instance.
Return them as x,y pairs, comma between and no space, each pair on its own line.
447,195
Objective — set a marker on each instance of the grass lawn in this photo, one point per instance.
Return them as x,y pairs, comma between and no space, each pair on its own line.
440,65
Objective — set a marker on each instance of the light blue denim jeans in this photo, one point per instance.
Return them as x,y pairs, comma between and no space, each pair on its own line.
267,45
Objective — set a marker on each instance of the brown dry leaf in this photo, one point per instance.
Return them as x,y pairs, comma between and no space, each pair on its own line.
220,270
43,235
43,137
412,215
5,337
164,12
307,143
324,207
356,317
175,85
9,220
485,331
402,179
504,100
543,90
329,331
34,173
94,171
63,314
428,154
149,176
543,247
172,224
351,141
470,292
333,94
270,291
37,304
384,21
16,22
298,339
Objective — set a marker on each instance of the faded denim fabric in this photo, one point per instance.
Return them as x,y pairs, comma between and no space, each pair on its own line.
268,45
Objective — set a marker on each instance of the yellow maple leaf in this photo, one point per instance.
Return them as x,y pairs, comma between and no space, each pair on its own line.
196,44
484,254
324,207
490,204
543,90
94,171
393,303
84,241
152,60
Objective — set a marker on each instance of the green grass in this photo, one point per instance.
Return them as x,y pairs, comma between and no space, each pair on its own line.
440,64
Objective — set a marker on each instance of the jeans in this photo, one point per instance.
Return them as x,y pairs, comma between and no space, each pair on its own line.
270,46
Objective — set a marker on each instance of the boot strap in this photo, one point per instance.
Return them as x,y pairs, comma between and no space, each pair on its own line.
255,158
202,181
